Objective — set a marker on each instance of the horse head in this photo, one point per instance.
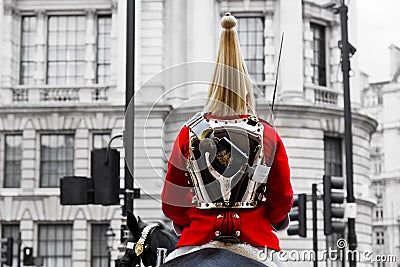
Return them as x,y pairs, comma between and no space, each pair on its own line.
146,238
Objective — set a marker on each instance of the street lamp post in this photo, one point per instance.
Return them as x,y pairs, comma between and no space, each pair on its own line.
110,240
346,51
352,238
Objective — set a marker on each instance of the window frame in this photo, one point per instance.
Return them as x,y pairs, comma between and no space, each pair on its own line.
71,133
97,223
15,241
253,15
4,144
98,16
325,28
47,14
76,59
341,141
380,237
20,77
47,224
94,133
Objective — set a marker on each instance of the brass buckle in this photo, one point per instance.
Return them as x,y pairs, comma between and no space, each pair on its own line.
139,248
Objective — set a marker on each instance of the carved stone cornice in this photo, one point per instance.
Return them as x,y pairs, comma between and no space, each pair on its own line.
10,8
114,5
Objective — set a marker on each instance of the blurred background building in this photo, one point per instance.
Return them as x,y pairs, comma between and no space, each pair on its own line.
380,100
62,93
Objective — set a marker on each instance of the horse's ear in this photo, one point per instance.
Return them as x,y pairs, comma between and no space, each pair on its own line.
133,225
141,224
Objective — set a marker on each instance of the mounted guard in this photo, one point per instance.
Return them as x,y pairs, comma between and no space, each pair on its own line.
228,177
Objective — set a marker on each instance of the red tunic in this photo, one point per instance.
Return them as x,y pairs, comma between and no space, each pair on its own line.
254,225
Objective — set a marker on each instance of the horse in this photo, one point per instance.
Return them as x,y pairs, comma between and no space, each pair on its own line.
161,236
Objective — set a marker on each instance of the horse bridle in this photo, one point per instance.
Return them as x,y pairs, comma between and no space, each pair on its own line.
140,246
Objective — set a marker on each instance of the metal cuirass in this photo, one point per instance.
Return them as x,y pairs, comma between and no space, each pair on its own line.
226,162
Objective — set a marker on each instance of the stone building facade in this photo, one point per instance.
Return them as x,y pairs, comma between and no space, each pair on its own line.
62,93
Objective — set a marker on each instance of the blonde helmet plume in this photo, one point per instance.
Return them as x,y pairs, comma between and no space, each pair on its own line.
230,92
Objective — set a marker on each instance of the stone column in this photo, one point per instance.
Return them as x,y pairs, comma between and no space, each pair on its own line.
80,235
291,69
114,43
40,74
269,51
90,57
308,51
28,164
26,226
175,46
82,148
7,48
201,27
335,74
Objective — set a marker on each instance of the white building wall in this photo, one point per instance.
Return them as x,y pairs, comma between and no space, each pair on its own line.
168,35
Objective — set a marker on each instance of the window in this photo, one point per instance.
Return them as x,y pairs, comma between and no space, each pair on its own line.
11,230
99,251
66,49
28,50
100,140
251,37
103,49
376,160
380,238
333,156
55,245
56,158
319,57
12,162
379,210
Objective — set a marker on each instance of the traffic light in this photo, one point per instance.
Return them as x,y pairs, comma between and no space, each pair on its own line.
103,186
76,190
27,257
299,213
7,251
333,196
105,175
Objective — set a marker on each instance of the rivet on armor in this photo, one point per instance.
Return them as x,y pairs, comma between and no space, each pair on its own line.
220,216
237,233
226,122
207,120
235,121
188,182
217,233
236,216
244,119
186,174
216,121
258,129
